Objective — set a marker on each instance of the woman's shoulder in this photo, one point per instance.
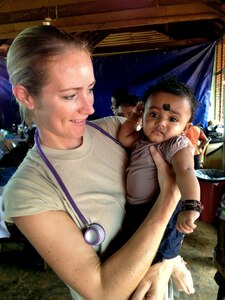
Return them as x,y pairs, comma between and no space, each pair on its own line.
110,124
28,190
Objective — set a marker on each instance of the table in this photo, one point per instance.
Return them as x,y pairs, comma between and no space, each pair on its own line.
8,144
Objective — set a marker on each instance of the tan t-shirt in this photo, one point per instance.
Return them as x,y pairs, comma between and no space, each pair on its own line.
94,174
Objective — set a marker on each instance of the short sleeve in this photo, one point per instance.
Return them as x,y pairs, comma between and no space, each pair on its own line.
170,147
28,193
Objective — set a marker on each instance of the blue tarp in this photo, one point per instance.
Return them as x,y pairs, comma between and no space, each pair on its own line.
8,105
136,71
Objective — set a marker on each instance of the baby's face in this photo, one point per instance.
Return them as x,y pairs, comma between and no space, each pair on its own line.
166,116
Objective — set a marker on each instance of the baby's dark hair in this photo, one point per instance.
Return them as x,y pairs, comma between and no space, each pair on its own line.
171,85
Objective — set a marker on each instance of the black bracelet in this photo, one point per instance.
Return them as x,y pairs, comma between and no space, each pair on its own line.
192,205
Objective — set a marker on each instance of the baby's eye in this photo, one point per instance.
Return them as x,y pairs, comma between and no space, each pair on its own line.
173,120
154,115
70,97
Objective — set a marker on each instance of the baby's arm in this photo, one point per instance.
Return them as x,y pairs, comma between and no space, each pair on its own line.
183,165
128,134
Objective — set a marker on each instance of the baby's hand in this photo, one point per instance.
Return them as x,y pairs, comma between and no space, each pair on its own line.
139,108
186,221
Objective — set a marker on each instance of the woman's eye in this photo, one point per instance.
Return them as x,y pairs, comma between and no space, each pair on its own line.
70,97
90,91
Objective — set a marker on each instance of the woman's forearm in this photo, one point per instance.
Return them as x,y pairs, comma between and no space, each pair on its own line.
77,264
132,261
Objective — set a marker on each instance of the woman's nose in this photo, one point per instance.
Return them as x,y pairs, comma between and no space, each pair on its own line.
86,104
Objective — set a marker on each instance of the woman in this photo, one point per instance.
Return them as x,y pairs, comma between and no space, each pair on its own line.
52,79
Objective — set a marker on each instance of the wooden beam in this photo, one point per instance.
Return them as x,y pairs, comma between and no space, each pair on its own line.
106,21
86,5
98,7
148,46
218,8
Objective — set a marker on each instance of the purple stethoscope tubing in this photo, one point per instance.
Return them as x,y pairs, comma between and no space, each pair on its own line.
104,132
94,233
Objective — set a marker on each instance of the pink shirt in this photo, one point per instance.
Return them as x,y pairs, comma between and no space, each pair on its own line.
142,181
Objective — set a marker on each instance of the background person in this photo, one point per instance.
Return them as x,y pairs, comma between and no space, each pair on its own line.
91,166
124,103
117,97
199,140
127,105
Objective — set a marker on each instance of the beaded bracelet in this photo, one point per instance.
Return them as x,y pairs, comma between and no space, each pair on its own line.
192,205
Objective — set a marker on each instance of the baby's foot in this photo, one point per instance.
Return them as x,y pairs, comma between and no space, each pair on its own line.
182,276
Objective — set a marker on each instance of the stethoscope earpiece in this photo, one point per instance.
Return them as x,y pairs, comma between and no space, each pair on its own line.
94,234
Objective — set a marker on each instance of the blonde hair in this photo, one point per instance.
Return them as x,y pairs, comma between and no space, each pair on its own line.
29,55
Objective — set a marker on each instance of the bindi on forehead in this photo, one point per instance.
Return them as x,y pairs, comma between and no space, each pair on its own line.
166,107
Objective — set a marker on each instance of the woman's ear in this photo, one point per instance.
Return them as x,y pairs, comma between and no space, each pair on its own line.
23,96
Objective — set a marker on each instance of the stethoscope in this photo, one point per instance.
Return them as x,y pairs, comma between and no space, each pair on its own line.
94,233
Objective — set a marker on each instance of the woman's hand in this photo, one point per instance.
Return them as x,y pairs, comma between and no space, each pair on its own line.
155,282
139,108
166,176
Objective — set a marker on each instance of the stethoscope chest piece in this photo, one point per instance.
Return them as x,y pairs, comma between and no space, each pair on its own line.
94,234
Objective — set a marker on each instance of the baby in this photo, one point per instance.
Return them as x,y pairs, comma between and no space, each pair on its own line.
168,113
